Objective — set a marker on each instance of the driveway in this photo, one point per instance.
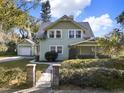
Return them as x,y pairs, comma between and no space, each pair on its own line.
6,59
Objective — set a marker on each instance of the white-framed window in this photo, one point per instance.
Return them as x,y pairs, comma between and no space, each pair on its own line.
53,48
59,49
56,48
58,34
71,33
51,34
55,33
76,33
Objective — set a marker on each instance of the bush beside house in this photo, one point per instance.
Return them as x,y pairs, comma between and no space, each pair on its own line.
51,56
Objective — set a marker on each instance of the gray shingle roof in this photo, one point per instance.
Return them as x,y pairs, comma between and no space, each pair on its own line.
87,26
42,29
84,25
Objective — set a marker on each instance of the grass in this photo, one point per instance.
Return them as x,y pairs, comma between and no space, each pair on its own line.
4,54
22,65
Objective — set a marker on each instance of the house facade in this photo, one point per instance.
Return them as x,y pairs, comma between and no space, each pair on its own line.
65,37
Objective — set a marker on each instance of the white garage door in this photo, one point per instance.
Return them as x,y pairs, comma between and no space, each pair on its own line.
25,51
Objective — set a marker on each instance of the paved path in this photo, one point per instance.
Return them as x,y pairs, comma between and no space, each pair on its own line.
49,63
45,79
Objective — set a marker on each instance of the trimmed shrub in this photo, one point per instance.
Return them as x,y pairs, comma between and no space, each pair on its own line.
86,56
103,56
91,56
88,63
92,77
96,73
51,56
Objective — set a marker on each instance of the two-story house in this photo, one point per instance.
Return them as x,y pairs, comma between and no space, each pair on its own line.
67,37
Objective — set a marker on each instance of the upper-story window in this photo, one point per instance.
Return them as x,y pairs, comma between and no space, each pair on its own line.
54,34
75,34
71,34
78,34
51,34
58,34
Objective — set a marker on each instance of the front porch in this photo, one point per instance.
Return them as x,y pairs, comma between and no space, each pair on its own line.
83,49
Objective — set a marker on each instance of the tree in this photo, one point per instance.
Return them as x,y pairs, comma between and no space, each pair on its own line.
120,19
112,43
31,26
14,14
10,16
45,11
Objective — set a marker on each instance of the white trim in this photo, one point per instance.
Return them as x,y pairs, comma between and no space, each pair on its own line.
48,33
55,30
75,33
56,48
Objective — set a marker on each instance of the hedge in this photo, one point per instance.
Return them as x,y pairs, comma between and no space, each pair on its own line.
93,77
95,73
87,63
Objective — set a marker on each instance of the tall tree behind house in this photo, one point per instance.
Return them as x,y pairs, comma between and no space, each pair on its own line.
45,11
120,19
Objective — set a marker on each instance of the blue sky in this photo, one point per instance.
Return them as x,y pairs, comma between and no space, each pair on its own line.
100,14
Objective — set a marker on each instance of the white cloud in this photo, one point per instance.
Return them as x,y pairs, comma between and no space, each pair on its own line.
101,23
68,7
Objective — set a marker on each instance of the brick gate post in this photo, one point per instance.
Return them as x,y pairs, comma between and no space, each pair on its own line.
55,77
31,74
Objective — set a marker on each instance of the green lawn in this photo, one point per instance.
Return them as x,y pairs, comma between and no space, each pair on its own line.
21,64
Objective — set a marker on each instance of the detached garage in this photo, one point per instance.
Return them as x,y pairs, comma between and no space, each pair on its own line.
26,48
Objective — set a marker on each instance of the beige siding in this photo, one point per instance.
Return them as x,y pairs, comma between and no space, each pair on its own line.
65,25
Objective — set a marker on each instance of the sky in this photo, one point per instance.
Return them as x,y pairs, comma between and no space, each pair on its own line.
100,14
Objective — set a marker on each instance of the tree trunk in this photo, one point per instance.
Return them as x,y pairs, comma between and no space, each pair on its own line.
29,33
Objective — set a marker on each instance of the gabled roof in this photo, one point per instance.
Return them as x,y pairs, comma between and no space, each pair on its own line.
91,41
66,18
48,25
27,40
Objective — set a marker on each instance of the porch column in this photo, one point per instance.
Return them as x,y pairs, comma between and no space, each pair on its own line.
80,49
95,52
